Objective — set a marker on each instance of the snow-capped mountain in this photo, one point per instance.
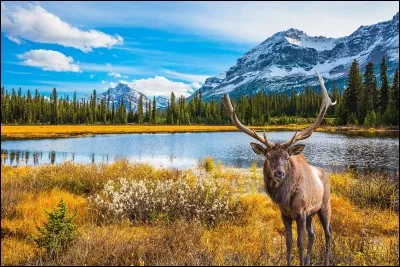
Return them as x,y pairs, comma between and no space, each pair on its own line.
129,96
288,59
124,92
162,102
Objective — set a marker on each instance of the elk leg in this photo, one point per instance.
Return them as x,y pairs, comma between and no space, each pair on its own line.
301,229
324,216
311,238
288,227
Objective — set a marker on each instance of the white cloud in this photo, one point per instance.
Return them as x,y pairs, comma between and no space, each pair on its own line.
92,76
114,74
18,72
15,40
62,86
186,77
113,84
103,82
160,86
36,24
241,22
48,60
195,85
107,67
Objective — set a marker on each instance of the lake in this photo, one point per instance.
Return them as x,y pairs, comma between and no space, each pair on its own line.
333,151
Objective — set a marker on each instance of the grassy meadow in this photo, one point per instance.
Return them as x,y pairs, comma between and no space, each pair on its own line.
59,131
134,214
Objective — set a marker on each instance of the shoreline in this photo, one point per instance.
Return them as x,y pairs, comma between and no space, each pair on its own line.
21,132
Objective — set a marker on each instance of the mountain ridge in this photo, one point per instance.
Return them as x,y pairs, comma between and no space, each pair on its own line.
288,59
130,96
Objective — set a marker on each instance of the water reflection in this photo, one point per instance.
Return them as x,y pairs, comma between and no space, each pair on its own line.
184,150
36,158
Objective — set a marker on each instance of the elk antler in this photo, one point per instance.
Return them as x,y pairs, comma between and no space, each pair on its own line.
326,103
228,106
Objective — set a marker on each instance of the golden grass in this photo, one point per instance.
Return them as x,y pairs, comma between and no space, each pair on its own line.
15,251
59,131
31,211
51,131
362,234
367,190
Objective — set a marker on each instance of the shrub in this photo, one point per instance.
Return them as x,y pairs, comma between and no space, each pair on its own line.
330,121
208,164
373,120
352,119
58,232
29,211
218,170
370,119
148,200
283,120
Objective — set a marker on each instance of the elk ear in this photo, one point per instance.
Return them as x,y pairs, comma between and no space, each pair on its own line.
257,148
296,149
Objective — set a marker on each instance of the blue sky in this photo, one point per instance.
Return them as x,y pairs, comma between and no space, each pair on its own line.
157,47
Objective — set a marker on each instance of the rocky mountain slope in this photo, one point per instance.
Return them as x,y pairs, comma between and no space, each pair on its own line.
288,59
129,96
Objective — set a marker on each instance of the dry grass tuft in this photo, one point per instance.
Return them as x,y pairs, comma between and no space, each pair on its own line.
369,190
30,212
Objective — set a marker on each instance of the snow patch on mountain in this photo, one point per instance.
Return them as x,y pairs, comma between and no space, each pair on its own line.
293,41
290,58
126,93
317,43
162,102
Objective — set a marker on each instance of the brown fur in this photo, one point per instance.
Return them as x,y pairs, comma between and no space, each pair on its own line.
303,192
299,189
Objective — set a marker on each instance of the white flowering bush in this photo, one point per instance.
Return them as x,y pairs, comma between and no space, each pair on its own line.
148,199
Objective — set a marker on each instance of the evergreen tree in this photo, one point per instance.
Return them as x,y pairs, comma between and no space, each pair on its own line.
131,116
74,109
335,97
173,109
375,95
199,103
113,113
147,115
259,109
54,109
352,94
29,108
395,92
93,105
369,88
391,115
384,91
140,110
153,113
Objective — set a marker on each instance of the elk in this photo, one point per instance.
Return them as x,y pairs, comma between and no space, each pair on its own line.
298,188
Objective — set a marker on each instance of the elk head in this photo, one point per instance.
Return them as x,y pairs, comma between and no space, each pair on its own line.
277,155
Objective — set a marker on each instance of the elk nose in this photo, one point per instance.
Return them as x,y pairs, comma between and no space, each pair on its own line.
279,174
